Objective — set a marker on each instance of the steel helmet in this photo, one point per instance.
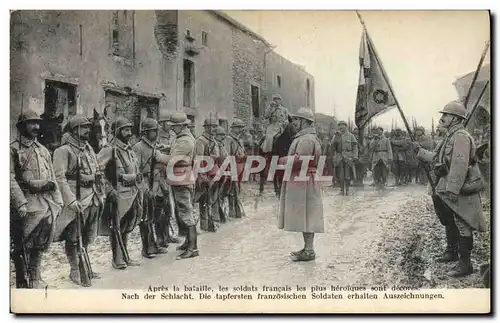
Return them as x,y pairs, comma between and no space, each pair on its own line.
455,108
342,122
304,113
237,123
165,116
28,115
220,131
178,118
149,124
211,121
78,120
120,123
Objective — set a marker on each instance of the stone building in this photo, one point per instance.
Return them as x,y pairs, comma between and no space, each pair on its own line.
142,63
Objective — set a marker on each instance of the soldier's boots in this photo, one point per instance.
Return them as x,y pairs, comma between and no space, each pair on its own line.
172,229
129,261
72,255
464,265
452,239
35,269
192,248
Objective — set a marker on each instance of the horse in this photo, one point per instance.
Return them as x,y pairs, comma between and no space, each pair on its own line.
99,131
281,145
51,130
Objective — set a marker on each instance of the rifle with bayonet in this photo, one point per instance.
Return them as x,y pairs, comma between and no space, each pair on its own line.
83,259
145,226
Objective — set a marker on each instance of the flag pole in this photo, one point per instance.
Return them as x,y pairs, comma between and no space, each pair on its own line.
412,136
476,73
469,117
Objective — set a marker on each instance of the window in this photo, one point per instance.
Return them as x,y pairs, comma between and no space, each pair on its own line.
204,38
60,99
308,93
255,101
278,81
188,67
123,33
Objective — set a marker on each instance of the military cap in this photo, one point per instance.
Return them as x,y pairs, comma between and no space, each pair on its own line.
237,123
277,96
178,118
220,131
455,108
78,120
380,128
119,123
422,129
341,122
28,115
149,124
211,121
304,113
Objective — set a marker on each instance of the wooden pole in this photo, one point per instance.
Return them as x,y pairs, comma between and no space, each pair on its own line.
476,73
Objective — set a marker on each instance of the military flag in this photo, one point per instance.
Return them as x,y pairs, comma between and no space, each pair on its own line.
374,94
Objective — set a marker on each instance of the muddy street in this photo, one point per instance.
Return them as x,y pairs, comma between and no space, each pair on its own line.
252,250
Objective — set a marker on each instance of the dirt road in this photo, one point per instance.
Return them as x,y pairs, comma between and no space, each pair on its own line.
253,251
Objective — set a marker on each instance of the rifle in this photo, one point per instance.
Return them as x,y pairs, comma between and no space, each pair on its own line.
83,260
18,236
114,222
149,205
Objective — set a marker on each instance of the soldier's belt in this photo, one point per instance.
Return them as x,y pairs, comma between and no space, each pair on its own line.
86,180
129,180
38,186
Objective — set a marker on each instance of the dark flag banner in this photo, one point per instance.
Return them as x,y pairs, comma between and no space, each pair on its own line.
374,96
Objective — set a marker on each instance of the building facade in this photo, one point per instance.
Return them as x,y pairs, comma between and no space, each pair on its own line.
146,63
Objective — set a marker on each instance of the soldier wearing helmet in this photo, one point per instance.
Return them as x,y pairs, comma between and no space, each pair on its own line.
166,136
301,205
237,149
35,200
345,148
457,203
76,147
124,199
381,158
206,194
277,115
222,185
426,143
362,164
154,197
400,144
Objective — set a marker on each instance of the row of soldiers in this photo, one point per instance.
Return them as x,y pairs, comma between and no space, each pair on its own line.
381,152
81,194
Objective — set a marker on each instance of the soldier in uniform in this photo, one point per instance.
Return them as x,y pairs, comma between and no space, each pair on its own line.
35,201
301,205
236,148
345,148
458,209
363,158
426,143
277,115
399,146
222,183
206,192
381,157
123,205
91,199
183,190
153,196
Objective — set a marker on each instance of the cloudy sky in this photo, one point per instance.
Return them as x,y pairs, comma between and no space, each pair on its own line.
423,52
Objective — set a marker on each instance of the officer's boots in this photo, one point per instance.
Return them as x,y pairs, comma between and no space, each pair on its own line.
72,255
192,247
35,270
452,240
464,265
130,262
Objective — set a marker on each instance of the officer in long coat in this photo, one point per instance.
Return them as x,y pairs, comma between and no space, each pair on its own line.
123,205
166,138
381,157
35,201
153,196
301,205
345,148
236,149
181,156
277,115
458,210
223,183
206,146
90,202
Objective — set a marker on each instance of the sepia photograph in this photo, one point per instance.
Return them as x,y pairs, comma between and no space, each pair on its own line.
250,161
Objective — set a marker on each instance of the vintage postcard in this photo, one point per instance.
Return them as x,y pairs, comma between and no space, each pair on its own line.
211,161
